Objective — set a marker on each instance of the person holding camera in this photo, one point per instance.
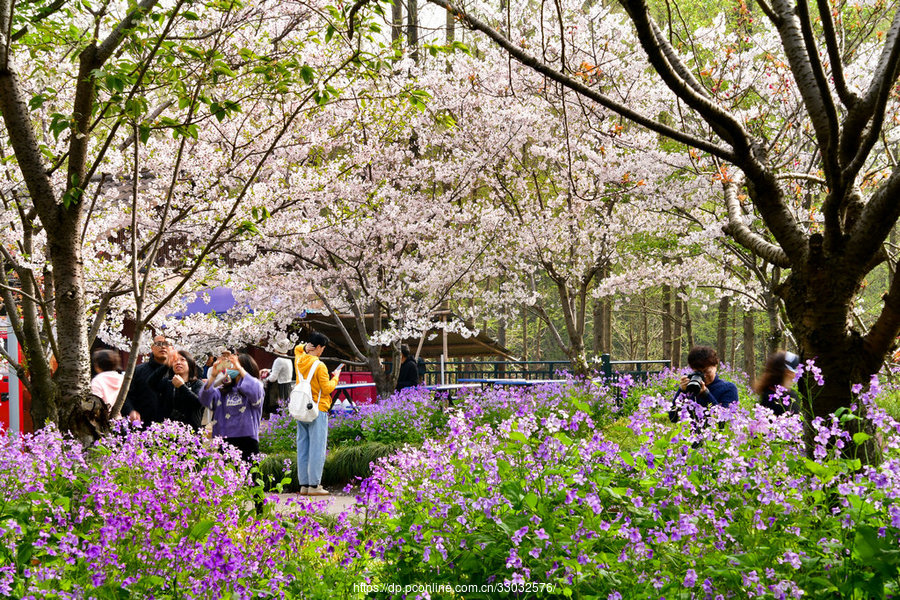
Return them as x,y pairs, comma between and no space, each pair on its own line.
703,386
179,387
234,393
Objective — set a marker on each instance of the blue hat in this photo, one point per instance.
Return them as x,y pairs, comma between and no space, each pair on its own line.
791,361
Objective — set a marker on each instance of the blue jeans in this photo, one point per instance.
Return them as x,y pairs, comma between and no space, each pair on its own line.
312,438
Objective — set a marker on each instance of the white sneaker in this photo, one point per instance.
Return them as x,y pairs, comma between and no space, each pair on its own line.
304,490
317,491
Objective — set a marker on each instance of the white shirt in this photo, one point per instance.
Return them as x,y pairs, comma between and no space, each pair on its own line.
282,370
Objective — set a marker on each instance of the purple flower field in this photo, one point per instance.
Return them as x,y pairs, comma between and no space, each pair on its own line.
577,490
159,514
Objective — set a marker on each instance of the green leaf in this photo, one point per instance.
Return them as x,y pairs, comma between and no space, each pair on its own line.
307,74
58,123
247,226
24,553
517,436
37,101
563,438
860,437
200,529
72,197
815,468
114,83
222,68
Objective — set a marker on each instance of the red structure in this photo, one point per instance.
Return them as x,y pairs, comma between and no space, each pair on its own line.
364,395
15,402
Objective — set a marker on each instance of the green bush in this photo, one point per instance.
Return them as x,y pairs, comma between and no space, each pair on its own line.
343,465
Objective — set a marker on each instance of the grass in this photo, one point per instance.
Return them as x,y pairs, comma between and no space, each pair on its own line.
889,400
343,465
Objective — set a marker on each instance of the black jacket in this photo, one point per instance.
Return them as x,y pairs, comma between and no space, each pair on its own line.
186,407
142,397
778,406
719,392
409,374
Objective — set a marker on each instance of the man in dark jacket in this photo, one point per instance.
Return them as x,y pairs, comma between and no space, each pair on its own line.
409,371
711,392
143,403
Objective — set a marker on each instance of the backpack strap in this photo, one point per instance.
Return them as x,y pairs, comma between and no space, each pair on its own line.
315,366
309,376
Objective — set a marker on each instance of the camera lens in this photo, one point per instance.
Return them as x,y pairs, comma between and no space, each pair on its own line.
695,383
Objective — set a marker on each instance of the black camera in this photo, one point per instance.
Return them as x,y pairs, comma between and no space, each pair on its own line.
695,383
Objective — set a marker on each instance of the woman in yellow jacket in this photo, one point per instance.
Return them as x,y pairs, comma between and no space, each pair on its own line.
312,438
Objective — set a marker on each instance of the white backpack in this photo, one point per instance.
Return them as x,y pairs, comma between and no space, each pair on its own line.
301,405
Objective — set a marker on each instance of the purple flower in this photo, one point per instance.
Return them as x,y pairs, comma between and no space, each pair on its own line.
690,578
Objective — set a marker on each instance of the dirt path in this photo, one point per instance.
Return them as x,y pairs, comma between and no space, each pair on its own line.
335,503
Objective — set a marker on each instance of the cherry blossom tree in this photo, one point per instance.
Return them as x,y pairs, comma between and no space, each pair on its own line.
366,231
834,70
139,157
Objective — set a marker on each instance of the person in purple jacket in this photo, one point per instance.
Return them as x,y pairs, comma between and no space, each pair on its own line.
234,394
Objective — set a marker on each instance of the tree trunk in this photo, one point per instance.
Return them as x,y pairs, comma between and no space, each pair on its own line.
645,327
776,327
722,328
524,334
732,347
666,323
607,326
451,27
688,324
77,410
676,331
384,383
749,346
412,29
501,340
396,21
818,307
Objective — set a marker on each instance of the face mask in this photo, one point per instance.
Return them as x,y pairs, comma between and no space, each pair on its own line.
233,373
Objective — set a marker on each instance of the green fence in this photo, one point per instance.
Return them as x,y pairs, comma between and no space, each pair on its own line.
493,369
535,369
640,372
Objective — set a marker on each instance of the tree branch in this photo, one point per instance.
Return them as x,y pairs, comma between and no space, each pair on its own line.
875,222
800,58
339,323
878,107
829,150
45,12
882,81
102,309
883,333
90,59
847,96
661,55
112,41
744,236
530,61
